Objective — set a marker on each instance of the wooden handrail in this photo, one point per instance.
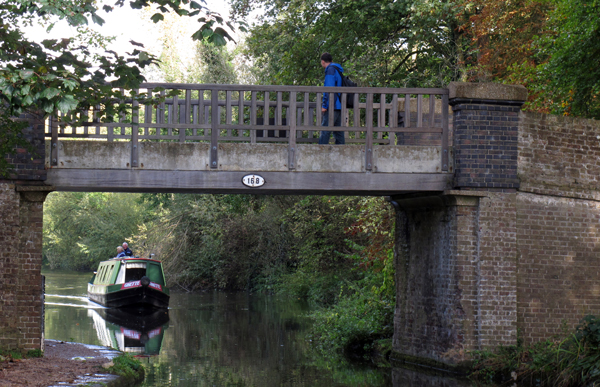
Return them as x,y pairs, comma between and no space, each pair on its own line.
255,113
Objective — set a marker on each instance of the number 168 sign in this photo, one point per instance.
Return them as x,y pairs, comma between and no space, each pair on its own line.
253,181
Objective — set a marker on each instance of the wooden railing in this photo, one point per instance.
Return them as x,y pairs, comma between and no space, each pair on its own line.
289,114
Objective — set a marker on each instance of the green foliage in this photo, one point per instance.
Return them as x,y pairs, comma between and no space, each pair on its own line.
10,137
69,75
10,354
81,229
569,362
215,64
354,323
573,48
379,42
34,353
364,310
125,365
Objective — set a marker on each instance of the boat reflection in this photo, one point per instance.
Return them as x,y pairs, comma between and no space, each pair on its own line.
136,331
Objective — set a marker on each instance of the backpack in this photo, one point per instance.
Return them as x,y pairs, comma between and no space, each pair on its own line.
347,82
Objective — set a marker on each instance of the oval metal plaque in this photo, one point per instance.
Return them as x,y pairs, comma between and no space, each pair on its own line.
253,181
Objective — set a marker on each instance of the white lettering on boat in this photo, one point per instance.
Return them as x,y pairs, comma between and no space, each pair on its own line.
154,332
155,286
132,284
130,333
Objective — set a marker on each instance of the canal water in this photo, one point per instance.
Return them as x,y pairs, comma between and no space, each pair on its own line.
214,339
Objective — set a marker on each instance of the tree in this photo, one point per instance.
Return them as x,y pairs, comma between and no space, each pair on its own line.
572,46
503,33
550,47
505,45
381,42
81,229
57,75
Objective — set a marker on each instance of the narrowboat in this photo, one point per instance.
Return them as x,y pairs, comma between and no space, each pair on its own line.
129,282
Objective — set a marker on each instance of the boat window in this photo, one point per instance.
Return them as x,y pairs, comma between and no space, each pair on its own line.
109,272
101,274
155,273
134,274
121,276
104,271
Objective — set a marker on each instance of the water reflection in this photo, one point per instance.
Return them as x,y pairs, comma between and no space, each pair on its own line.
214,339
134,331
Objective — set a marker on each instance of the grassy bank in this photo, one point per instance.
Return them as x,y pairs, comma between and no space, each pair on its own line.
573,360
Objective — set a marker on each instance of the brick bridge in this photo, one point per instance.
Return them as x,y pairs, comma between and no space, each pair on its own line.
498,210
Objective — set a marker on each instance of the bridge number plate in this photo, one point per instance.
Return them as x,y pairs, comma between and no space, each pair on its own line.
253,181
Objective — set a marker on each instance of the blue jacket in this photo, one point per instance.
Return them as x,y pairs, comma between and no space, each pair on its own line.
332,78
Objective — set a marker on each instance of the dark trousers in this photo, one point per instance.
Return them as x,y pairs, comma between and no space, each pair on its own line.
337,121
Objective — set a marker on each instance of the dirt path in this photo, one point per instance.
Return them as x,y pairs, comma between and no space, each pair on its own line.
57,365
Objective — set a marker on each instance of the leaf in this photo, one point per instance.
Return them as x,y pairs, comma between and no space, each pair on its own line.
77,19
217,39
136,43
143,56
48,106
157,17
26,74
97,19
220,31
66,104
49,43
70,83
27,100
197,35
207,32
195,5
50,92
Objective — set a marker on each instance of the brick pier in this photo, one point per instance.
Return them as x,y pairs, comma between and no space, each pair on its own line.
21,217
512,250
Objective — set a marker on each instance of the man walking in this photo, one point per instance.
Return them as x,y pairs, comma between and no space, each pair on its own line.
333,78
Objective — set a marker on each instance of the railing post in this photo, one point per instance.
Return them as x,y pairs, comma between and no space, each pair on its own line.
253,111
369,139
292,135
214,128
54,148
393,119
444,132
134,132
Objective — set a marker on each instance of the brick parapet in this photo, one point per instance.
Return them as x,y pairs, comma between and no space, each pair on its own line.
29,166
485,144
559,156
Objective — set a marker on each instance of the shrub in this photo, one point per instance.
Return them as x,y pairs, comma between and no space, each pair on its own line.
572,361
126,365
